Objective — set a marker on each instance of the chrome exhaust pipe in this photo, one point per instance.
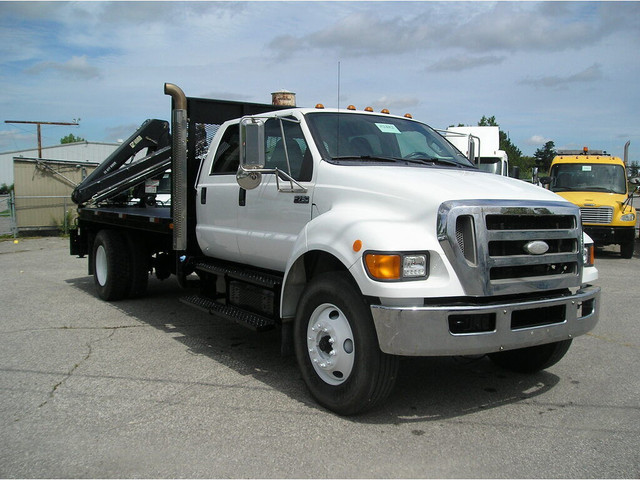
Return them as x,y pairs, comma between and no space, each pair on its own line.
179,165
626,152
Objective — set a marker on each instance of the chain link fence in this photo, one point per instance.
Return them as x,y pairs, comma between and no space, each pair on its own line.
7,216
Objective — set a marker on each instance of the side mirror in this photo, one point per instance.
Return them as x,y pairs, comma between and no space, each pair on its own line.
545,180
634,181
252,152
472,152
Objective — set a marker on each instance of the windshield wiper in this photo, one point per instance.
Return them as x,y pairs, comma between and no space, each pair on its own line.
418,161
602,189
366,157
434,161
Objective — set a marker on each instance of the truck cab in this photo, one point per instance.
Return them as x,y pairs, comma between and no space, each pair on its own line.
597,183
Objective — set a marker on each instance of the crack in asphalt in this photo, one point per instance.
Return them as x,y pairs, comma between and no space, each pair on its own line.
87,356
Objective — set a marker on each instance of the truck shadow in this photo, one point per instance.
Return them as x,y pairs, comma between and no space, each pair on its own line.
427,389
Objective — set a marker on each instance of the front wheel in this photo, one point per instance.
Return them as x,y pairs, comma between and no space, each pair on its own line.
337,347
626,249
531,359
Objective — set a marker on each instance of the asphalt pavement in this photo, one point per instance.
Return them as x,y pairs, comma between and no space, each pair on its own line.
151,388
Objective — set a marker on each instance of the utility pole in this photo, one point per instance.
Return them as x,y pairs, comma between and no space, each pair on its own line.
39,134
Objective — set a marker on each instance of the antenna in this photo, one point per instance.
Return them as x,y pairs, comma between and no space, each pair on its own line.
338,84
338,122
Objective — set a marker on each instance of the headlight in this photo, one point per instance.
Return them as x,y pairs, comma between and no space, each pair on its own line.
589,255
628,217
397,266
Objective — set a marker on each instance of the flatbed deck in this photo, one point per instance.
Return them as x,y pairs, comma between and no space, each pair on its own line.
153,219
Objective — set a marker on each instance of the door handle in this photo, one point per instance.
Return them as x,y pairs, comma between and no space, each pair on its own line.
203,195
242,197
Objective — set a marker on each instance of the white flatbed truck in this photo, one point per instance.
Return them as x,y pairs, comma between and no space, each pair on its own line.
362,236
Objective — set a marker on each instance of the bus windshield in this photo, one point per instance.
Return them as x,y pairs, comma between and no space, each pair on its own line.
588,177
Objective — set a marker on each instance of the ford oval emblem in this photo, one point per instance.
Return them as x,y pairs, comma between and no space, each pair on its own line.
536,247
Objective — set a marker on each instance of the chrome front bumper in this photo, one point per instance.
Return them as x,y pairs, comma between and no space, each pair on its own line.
426,331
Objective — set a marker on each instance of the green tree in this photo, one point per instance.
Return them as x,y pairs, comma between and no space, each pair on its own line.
544,156
71,138
5,189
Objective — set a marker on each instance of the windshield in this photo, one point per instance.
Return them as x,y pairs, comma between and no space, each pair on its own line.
367,138
594,177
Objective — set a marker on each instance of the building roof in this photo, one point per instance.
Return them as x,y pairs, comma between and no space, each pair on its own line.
94,152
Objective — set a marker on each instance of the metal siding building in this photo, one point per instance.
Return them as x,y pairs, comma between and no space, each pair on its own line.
93,152
43,192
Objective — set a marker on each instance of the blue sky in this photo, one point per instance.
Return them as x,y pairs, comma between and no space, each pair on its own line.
562,71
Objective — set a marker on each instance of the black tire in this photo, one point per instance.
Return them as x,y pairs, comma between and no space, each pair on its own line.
626,249
531,359
111,272
360,376
138,265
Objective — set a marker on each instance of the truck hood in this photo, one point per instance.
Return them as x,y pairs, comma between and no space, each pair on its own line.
415,187
593,199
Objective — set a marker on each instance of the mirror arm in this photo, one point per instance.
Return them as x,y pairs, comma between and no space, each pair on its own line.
278,173
288,177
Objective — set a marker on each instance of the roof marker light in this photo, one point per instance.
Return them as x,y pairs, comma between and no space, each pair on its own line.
351,107
319,105
384,110
408,115
368,109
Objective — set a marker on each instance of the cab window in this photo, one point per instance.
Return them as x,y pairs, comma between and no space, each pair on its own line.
292,145
227,157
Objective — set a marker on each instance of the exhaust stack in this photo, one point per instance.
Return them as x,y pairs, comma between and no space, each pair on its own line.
179,165
626,153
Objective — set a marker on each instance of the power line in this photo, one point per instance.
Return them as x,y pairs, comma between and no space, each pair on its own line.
33,122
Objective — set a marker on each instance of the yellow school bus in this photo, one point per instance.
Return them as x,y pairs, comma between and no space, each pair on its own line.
597,183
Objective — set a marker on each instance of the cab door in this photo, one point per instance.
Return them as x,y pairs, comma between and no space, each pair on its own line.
217,199
270,220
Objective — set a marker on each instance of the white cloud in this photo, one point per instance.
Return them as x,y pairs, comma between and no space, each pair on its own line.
536,140
589,74
394,103
76,67
12,139
464,62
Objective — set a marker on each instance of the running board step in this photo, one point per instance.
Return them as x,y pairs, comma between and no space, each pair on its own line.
255,277
243,317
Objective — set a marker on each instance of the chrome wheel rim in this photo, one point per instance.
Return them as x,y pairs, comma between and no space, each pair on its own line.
330,344
101,265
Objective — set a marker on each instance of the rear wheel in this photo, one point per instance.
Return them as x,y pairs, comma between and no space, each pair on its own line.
111,272
531,359
337,347
138,265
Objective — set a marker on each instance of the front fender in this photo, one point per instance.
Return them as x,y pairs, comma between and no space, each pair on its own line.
347,234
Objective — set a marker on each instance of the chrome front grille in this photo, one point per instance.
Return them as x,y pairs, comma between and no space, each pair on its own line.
603,215
507,247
